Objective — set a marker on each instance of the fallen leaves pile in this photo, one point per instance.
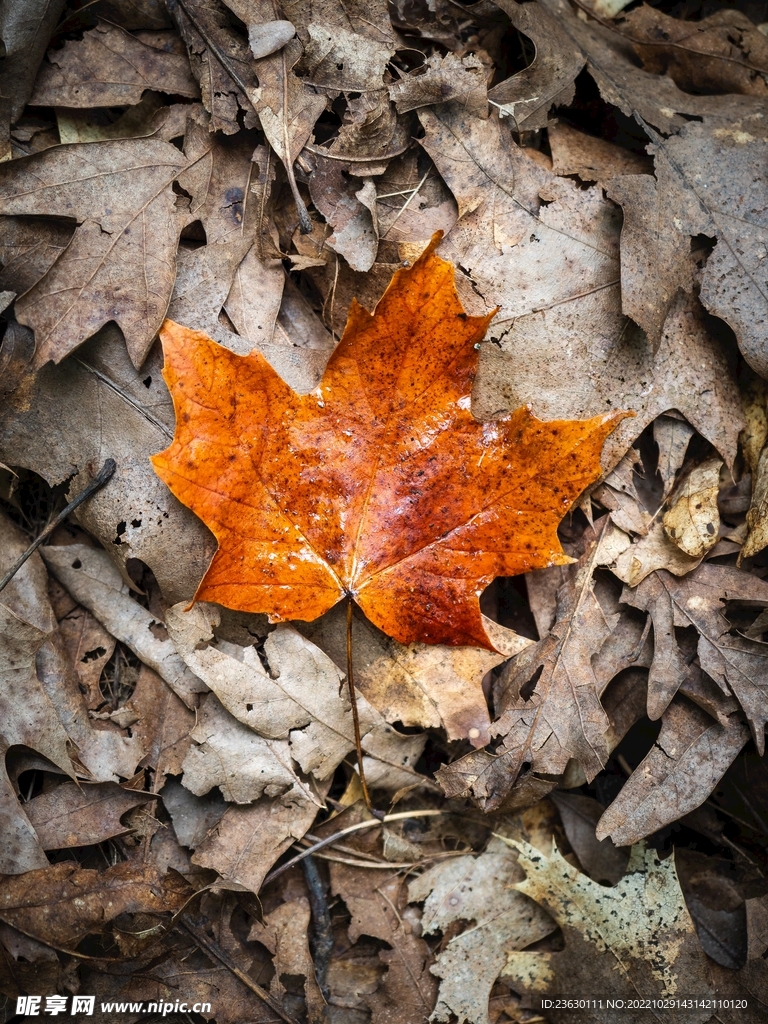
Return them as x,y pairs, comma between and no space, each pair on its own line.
579,812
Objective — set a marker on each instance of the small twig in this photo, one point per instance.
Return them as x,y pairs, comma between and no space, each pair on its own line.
105,473
368,823
355,716
322,934
217,953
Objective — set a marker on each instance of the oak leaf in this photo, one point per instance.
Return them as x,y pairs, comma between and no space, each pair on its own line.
635,939
379,484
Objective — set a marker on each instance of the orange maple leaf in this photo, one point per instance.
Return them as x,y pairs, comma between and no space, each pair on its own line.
379,484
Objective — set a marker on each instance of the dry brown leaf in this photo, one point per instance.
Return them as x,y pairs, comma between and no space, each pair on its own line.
89,647
528,96
693,521
593,159
599,858
480,891
28,249
109,67
62,903
444,79
635,941
103,751
245,843
672,436
97,406
284,933
514,248
653,551
298,710
687,761
561,717
708,181
619,495
719,54
224,68
425,685
227,754
28,715
91,578
377,901
350,209
622,83
25,29
163,725
71,815
120,263
737,665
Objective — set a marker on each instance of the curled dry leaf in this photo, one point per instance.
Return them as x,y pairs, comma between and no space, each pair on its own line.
635,940
27,713
693,521
344,503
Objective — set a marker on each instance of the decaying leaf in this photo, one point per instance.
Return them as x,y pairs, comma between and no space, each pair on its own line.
298,711
635,940
62,903
73,816
334,516
92,579
686,763
284,933
513,247
693,521
480,890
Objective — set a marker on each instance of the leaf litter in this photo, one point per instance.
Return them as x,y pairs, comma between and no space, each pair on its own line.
572,765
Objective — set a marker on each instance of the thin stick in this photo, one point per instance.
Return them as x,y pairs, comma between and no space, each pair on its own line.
368,823
105,473
355,716
217,953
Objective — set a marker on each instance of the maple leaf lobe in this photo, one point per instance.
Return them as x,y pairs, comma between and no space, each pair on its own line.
379,484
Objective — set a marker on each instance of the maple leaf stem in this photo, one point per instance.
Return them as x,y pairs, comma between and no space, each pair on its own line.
355,715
